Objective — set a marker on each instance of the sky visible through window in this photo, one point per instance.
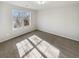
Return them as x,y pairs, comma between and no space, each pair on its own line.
20,13
35,47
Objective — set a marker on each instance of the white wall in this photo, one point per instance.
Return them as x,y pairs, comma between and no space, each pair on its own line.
6,31
62,21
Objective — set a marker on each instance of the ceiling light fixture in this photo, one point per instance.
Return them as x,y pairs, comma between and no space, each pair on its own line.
41,2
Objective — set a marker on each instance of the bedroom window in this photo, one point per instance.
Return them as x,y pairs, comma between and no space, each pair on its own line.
20,18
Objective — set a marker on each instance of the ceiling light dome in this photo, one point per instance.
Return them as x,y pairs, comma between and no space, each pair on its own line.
41,2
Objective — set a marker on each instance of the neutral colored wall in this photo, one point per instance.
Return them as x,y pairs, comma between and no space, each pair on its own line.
62,21
6,31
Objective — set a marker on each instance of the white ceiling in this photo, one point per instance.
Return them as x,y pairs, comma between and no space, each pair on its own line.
49,4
